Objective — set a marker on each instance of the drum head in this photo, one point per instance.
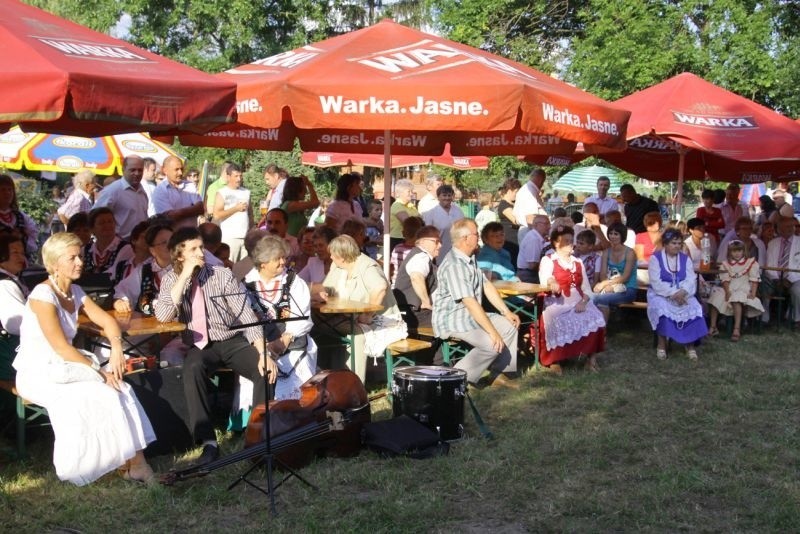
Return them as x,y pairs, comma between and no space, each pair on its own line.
429,372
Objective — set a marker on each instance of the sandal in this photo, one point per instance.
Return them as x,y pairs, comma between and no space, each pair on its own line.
736,335
713,332
692,354
661,354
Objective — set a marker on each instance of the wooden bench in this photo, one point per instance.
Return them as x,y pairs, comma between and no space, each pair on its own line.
452,349
633,306
397,353
23,418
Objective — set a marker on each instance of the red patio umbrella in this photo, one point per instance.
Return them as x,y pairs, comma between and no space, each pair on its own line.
64,78
344,93
688,128
394,90
340,159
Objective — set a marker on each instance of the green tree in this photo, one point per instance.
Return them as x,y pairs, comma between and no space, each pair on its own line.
738,44
531,32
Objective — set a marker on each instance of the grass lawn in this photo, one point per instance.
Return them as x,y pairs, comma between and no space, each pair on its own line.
642,446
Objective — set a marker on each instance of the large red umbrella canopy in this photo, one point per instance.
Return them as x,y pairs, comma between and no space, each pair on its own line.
344,94
61,77
717,134
341,159
395,90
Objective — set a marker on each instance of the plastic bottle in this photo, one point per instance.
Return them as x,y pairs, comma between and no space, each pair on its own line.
705,247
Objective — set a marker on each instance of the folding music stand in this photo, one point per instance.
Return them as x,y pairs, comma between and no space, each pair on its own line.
268,459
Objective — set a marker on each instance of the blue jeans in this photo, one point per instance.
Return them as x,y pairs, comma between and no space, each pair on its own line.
610,300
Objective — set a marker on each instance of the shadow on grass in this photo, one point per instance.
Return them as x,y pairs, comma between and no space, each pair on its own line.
644,445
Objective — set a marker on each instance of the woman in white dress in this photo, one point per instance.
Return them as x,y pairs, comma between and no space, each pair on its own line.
98,423
571,324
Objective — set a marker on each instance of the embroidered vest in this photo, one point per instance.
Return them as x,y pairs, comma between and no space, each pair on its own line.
666,275
567,279
403,280
88,258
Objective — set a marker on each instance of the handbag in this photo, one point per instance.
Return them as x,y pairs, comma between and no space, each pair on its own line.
65,372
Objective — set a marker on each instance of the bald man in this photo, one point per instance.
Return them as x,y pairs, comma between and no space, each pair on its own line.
126,197
174,198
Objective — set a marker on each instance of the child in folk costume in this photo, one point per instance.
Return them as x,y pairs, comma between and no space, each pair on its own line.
571,324
738,295
672,308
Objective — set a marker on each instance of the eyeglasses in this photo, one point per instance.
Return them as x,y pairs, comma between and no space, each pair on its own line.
474,234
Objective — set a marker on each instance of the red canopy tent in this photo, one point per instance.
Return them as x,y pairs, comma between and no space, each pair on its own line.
688,128
64,78
394,90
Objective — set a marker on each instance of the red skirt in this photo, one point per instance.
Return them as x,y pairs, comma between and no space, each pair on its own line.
588,344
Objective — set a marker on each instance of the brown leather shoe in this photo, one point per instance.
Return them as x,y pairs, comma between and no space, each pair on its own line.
502,381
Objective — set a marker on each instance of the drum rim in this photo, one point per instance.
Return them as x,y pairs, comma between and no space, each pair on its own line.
406,371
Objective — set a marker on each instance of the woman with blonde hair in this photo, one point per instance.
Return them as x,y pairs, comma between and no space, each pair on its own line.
98,422
356,276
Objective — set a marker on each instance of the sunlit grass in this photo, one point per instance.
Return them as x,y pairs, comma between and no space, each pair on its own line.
642,446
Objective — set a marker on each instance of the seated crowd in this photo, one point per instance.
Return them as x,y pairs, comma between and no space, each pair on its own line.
212,275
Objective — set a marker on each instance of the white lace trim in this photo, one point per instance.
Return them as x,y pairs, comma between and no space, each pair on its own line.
658,306
569,326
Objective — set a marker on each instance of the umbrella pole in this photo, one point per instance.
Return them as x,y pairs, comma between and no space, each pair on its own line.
679,195
387,188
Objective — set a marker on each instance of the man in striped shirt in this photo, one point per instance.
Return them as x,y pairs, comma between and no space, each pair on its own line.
212,303
458,312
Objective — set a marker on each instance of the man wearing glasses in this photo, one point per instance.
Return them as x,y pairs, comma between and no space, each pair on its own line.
416,279
458,313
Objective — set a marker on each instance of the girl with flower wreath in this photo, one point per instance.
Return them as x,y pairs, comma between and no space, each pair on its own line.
738,294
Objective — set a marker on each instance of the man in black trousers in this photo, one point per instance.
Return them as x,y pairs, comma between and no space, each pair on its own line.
210,301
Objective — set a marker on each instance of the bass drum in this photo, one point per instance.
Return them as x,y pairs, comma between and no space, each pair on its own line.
432,395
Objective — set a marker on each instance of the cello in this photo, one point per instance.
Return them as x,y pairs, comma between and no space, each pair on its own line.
325,421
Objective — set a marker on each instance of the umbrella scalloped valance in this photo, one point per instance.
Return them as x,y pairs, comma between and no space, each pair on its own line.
67,153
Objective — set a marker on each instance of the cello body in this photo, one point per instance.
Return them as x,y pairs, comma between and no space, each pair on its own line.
327,391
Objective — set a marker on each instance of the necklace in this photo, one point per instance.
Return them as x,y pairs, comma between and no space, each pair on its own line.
669,268
61,293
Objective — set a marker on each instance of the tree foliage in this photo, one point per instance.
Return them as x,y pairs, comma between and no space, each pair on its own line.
531,32
745,46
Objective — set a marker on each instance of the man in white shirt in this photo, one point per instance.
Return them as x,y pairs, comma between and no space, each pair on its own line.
732,209
149,183
430,201
531,248
125,197
172,197
603,202
782,252
529,202
443,215
232,212
416,278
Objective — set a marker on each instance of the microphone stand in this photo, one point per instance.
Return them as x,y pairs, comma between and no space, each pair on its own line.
268,459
